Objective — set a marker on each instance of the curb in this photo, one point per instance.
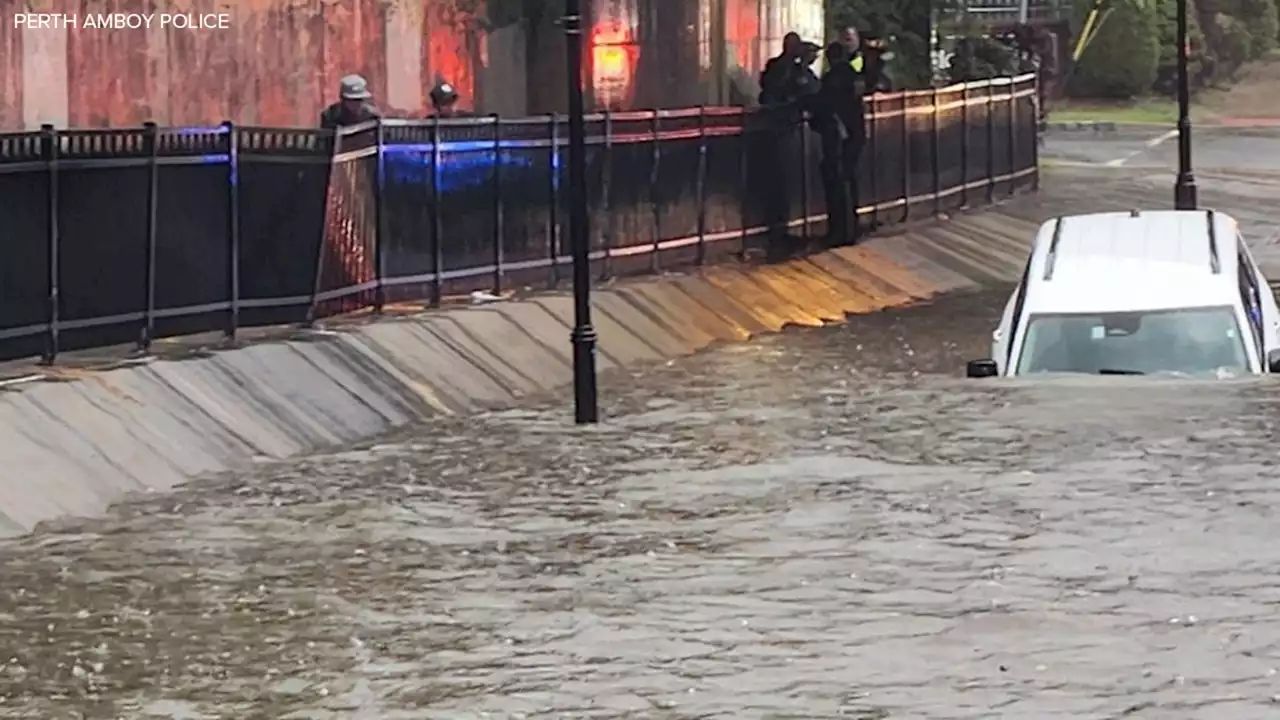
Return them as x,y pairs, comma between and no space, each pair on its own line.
1060,163
1087,126
1106,126
1257,125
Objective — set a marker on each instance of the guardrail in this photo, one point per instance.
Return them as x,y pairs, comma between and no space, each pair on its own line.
127,235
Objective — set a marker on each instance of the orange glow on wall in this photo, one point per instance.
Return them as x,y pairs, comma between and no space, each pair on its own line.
613,61
742,26
447,49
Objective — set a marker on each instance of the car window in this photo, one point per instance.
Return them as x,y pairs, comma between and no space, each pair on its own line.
1188,340
1251,299
1245,252
1019,302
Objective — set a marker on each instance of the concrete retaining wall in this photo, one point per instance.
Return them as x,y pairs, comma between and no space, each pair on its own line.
71,448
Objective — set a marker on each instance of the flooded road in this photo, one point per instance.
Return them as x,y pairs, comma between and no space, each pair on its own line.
825,524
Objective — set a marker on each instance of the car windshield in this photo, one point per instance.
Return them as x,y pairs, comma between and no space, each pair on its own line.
1189,340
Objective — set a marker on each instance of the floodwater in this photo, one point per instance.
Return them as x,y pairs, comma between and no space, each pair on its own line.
825,524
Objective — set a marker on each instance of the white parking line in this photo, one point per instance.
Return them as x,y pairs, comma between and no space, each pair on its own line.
1161,138
1148,145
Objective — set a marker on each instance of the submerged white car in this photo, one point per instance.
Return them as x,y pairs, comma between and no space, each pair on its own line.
1138,293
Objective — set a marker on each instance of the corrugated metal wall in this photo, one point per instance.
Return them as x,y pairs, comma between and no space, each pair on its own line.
280,60
701,51
753,33
278,63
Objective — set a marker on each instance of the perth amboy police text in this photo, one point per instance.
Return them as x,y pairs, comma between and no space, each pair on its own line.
123,21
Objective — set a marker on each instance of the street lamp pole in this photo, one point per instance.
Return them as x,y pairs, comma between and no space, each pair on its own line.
585,404
1184,188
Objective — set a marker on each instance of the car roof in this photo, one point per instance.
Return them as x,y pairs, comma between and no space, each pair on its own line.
1149,260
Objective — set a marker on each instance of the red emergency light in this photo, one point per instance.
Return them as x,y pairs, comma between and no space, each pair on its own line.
613,61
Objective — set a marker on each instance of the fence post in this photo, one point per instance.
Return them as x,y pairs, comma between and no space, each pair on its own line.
964,145
49,150
606,191
322,241
437,213
935,162
1037,128
655,162
499,209
233,231
553,208
906,158
379,219
1013,139
701,185
804,177
744,184
151,144
991,142
871,162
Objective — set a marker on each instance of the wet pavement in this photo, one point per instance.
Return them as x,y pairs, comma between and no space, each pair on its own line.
1238,150
1247,196
826,523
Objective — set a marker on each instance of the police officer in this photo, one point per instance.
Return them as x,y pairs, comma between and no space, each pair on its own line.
774,79
867,59
444,100
841,124
787,85
876,67
353,106
807,83
851,39
787,76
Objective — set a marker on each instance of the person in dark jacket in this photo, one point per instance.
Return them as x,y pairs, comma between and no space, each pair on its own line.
787,87
851,39
805,83
353,106
868,59
787,77
841,123
775,78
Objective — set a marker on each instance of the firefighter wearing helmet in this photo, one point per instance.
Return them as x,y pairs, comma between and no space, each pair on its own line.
444,101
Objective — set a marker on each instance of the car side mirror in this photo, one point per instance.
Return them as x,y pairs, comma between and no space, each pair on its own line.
1273,361
984,368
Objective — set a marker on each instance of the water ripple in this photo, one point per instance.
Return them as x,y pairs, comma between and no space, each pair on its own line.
830,523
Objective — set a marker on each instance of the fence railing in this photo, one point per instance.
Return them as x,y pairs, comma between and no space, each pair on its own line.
126,235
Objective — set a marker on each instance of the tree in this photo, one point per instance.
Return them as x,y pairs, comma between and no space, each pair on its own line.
1232,44
1122,60
1199,66
1261,22
978,57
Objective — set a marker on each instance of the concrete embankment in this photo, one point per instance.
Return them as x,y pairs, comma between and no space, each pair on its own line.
73,447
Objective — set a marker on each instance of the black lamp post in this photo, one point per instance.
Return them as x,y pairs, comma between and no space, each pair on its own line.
585,405
1184,188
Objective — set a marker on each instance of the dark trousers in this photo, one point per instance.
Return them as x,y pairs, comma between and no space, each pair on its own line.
840,183
773,180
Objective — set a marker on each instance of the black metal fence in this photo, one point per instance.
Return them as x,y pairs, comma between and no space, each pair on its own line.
126,235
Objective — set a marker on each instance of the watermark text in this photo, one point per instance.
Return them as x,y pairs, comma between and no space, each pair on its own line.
123,21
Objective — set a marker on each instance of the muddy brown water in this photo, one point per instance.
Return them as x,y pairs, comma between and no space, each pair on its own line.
823,524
